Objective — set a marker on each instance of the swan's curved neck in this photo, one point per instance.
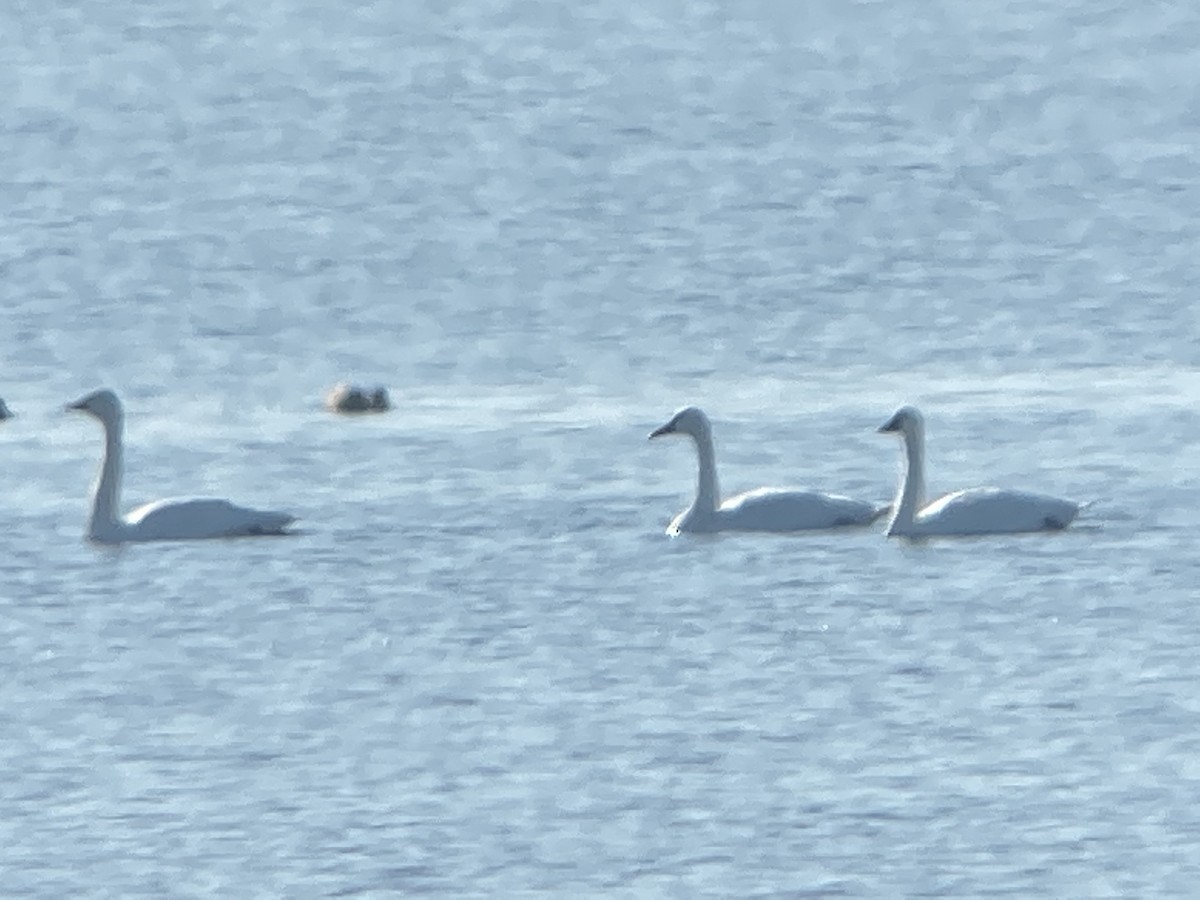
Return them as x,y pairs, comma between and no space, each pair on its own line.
708,492
911,496
106,498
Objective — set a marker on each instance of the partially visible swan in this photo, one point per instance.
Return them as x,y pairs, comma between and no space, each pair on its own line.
346,398
985,510
764,509
162,520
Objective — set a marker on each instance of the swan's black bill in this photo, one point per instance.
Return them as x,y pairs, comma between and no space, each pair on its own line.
77,405
661,430
892,424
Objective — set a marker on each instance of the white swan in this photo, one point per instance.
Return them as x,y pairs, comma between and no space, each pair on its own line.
162,520
764,509
985,510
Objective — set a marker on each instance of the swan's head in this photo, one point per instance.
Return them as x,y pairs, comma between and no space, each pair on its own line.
103,404
689,420
906,420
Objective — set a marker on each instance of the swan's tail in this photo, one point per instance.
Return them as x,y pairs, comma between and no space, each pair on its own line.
270,523
1081,508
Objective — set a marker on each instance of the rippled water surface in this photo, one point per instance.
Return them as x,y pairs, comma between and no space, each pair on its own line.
481,669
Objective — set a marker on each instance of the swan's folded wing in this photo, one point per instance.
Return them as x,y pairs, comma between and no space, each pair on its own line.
203,518
990,510
778,509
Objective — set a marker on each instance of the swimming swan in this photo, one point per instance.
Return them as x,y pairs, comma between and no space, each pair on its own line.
764,509
985,510
162,520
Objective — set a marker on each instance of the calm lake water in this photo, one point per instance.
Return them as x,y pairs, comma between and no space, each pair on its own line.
482,669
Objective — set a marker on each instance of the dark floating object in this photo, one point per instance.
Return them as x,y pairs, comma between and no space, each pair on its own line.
348,398
5,412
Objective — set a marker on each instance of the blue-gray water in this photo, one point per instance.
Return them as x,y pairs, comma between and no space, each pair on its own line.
482,669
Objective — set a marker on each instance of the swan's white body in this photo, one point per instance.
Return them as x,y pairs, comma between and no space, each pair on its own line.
764,509
975,511
162,520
